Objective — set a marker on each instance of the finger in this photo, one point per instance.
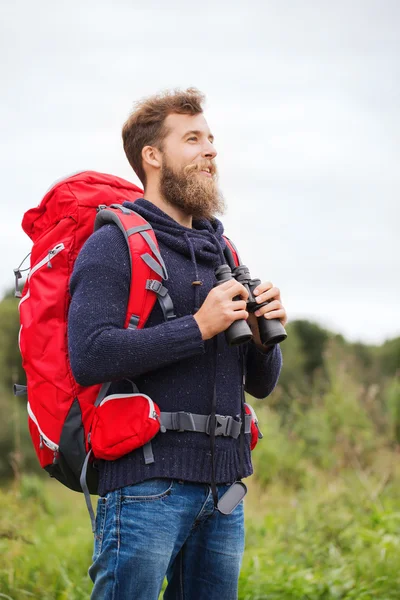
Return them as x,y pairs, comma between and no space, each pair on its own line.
234,288
262,287
274,305
237,289
273,292
227,284
277,314
238,305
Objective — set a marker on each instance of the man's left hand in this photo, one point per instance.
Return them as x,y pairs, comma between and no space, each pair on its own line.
273,310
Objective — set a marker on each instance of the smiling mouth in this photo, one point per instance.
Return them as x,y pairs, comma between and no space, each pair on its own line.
206,171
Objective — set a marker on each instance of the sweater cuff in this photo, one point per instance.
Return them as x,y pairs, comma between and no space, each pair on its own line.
185,340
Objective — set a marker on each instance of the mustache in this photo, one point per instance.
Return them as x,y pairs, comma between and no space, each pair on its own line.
200,166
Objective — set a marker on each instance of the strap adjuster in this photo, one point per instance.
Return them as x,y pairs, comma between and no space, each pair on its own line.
182,421
156,286
223,425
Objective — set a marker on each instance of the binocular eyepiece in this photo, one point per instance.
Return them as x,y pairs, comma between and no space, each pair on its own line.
271,331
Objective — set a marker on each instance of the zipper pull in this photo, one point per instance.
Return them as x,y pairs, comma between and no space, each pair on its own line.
55,460
155,416
50,256
41,445
52,253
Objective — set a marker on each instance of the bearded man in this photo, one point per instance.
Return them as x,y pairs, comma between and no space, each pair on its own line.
159,517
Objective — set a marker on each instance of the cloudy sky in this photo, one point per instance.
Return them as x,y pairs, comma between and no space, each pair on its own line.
303,98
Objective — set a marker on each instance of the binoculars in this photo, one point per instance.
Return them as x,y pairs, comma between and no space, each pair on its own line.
271,331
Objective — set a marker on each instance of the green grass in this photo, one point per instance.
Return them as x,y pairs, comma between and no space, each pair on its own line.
337,540
337,537
45,542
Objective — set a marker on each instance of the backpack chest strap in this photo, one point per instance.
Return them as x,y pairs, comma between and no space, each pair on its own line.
185,421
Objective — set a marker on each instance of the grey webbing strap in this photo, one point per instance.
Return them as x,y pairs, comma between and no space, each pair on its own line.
153,264
142,229
102,393
184,421
133,322
148,453
163,297
20,390
135,388
85,491
123,209
156,252
138,229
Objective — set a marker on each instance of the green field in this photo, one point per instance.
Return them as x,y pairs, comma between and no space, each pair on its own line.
323,509
335,537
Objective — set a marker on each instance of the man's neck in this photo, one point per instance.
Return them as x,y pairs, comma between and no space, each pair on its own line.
153,195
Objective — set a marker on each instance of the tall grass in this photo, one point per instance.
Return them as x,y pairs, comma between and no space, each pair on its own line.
322,513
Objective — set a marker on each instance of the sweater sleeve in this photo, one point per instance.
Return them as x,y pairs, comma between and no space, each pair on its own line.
100,348
262,370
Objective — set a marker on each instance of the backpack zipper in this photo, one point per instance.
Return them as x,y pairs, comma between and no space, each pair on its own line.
45,261
43,438
152,411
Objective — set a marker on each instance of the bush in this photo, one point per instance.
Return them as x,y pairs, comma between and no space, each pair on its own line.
277,456
16,450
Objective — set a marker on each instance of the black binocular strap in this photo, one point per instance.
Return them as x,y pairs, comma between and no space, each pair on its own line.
212,425
243,412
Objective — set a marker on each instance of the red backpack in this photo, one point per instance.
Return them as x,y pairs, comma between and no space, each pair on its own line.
61,412
68,421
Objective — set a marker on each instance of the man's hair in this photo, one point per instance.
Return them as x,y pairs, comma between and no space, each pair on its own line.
145,126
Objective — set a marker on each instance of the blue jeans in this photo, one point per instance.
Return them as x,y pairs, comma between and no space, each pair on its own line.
166,527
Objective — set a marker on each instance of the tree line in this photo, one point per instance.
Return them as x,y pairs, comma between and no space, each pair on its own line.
310,355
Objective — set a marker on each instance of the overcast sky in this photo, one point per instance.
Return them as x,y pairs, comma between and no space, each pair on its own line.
303,98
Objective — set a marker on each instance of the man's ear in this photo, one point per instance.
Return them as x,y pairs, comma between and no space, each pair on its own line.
151,156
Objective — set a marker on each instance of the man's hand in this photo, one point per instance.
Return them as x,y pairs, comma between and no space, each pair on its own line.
219,310
273,310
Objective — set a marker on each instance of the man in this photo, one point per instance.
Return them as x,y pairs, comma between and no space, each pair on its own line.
160,518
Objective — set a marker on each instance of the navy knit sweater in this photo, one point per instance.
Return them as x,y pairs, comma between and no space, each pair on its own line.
169,362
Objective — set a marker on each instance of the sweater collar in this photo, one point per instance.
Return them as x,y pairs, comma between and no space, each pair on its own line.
203,243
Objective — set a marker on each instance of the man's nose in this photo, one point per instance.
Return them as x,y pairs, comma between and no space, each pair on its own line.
209,151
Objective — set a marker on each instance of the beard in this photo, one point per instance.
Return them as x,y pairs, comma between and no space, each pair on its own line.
195,195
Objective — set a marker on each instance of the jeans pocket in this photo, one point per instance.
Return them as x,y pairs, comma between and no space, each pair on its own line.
147,491
100,522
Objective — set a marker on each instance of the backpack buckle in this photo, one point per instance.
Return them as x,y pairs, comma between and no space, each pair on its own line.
153,285
156,287
223,425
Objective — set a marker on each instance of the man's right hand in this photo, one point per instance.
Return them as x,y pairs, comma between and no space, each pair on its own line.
219,310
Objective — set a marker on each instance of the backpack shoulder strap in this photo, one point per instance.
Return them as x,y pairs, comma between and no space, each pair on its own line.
147,266
231,253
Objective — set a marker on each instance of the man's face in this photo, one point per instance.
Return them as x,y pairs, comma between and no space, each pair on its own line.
188,178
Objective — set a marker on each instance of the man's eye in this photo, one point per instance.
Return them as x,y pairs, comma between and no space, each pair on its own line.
194,138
